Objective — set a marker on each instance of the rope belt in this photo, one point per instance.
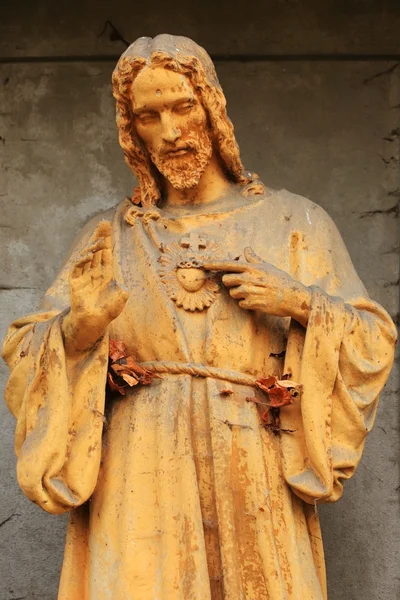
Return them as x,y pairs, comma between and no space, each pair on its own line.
178,368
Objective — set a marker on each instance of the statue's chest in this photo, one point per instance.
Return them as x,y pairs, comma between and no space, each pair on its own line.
173,256
176,261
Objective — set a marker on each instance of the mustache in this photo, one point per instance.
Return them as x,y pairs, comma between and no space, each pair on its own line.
164,150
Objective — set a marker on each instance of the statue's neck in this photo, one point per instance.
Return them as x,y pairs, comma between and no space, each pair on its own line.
212,185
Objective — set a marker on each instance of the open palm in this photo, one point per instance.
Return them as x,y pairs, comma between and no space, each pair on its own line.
95,297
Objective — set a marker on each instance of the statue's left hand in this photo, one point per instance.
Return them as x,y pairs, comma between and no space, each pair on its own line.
258,285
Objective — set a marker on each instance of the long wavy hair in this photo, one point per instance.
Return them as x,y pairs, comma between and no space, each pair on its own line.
181,55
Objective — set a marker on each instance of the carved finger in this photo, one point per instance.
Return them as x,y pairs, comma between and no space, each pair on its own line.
228,266
249,291
97,259
87,265
106,257
85,279
239,292
97,245
234,279
76,272
78,267
246,303
246,289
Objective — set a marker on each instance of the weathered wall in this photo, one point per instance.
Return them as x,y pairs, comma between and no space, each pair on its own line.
65,28
326,129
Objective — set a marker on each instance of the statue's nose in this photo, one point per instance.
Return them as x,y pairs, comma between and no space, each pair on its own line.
170,132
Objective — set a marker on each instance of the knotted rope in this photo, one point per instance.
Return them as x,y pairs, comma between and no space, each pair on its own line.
196,370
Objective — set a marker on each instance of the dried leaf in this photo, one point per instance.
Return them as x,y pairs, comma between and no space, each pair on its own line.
123,369
114,386
279,397
119,369
265,383
117,350
280,392
131,381
133,366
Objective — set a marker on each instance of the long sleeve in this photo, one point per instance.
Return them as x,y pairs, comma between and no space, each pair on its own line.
58,403
342,360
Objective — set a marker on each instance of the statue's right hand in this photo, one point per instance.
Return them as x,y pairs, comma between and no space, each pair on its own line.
95,297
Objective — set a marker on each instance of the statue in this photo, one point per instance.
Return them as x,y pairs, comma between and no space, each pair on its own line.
205,368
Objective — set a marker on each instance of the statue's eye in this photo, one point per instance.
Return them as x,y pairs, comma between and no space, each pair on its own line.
147,118
184,108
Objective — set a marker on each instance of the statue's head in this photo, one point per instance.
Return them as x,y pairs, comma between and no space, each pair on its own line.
171,116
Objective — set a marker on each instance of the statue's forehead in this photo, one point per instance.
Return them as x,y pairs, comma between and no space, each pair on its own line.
161,83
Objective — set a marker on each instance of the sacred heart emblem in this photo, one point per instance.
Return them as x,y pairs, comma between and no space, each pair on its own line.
191,279
188,284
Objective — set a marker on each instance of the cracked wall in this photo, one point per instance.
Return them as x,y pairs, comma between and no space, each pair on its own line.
327,129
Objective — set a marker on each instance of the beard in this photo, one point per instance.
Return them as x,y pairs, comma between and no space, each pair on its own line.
185,171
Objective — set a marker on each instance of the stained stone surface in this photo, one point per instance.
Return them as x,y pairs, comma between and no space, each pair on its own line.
326,130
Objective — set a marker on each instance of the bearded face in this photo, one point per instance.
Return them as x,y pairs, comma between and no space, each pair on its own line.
172,124
184,163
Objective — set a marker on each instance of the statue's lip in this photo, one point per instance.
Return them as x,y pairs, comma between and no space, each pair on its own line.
178,151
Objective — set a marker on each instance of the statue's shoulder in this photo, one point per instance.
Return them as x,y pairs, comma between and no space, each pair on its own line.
302,213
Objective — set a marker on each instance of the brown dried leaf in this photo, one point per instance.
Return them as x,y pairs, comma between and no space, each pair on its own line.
133,366
133,370
114,386
279,396
123,369
119,369
117,350
281,392
265,383
131,381
148,377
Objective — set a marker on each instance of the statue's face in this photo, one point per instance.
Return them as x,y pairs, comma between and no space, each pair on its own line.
172,124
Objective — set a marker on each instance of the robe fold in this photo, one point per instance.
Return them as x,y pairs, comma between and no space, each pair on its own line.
177,490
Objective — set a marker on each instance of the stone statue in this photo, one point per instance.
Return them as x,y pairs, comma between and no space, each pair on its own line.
203,371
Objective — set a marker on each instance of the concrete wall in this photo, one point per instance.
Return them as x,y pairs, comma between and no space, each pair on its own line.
327,129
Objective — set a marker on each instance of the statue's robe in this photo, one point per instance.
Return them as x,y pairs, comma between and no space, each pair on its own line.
179,492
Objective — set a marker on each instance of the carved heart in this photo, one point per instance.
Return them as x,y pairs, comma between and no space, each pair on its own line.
191,279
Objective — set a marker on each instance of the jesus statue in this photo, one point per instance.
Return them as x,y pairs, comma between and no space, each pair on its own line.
204,370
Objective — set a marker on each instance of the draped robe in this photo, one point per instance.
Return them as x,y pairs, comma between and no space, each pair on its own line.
177,491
